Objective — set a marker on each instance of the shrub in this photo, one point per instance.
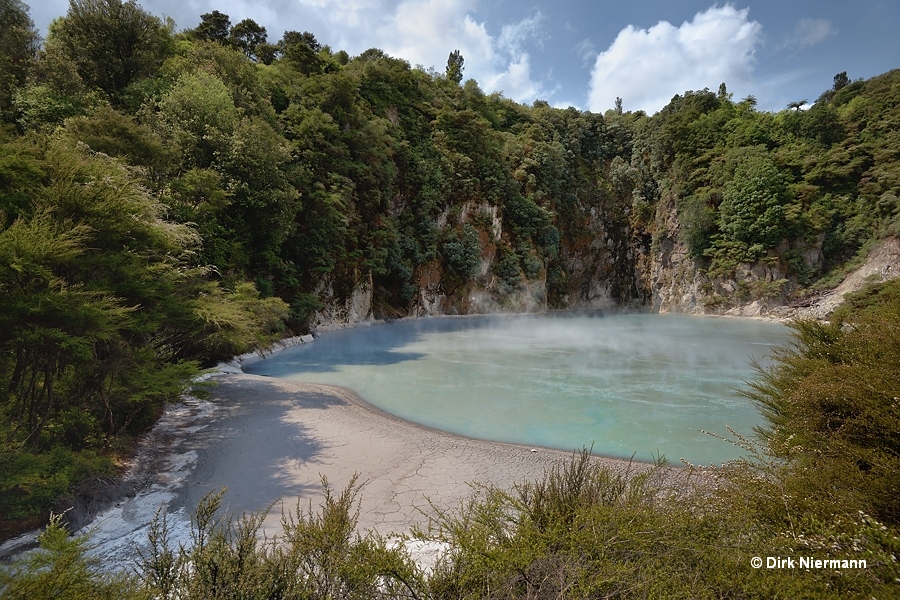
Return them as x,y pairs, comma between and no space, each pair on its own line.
30,483
831,405
462,253
319,556
63,568
698,224
507,270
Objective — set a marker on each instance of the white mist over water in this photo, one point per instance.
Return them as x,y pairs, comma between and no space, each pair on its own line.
635,384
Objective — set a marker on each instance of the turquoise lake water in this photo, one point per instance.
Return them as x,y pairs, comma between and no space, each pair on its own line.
628,384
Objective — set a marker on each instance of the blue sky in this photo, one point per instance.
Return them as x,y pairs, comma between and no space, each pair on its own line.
585,54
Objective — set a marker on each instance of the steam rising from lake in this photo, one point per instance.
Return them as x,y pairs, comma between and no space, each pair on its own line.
637,385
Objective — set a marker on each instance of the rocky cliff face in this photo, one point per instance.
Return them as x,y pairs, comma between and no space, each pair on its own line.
882,264
344,309
678,284
485,292
606,265
601,265
760,289
671,275
595,269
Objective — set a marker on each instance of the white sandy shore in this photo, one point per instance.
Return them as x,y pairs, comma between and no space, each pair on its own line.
277,438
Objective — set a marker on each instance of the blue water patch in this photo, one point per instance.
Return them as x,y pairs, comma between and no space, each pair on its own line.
630,384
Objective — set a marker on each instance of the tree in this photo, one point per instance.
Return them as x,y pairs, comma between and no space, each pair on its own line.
214,26
54,92
248,36
301,50
200,115
455,67
75,343
110,42
263,206
295,38
105,314
18,46
797,104
266,53
120,136
841,80
241,77
723,92
698,222
462,253
752,210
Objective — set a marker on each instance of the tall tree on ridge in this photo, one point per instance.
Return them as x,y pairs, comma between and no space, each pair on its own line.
214,26
112,43
247,36
455,66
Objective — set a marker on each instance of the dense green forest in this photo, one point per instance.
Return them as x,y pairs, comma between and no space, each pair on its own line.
170,198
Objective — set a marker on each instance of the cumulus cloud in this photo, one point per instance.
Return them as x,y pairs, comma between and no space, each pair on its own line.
426,31
646,67
515,81
510,69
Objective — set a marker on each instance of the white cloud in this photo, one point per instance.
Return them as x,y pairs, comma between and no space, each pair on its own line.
512,64
646,67
515,82
808,33
426,31
513,36
586,51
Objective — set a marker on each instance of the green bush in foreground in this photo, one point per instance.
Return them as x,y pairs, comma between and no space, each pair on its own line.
62,568
832,402
582,531
586,532
319,555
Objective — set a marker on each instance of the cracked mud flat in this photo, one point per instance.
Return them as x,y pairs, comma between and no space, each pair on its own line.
270,441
